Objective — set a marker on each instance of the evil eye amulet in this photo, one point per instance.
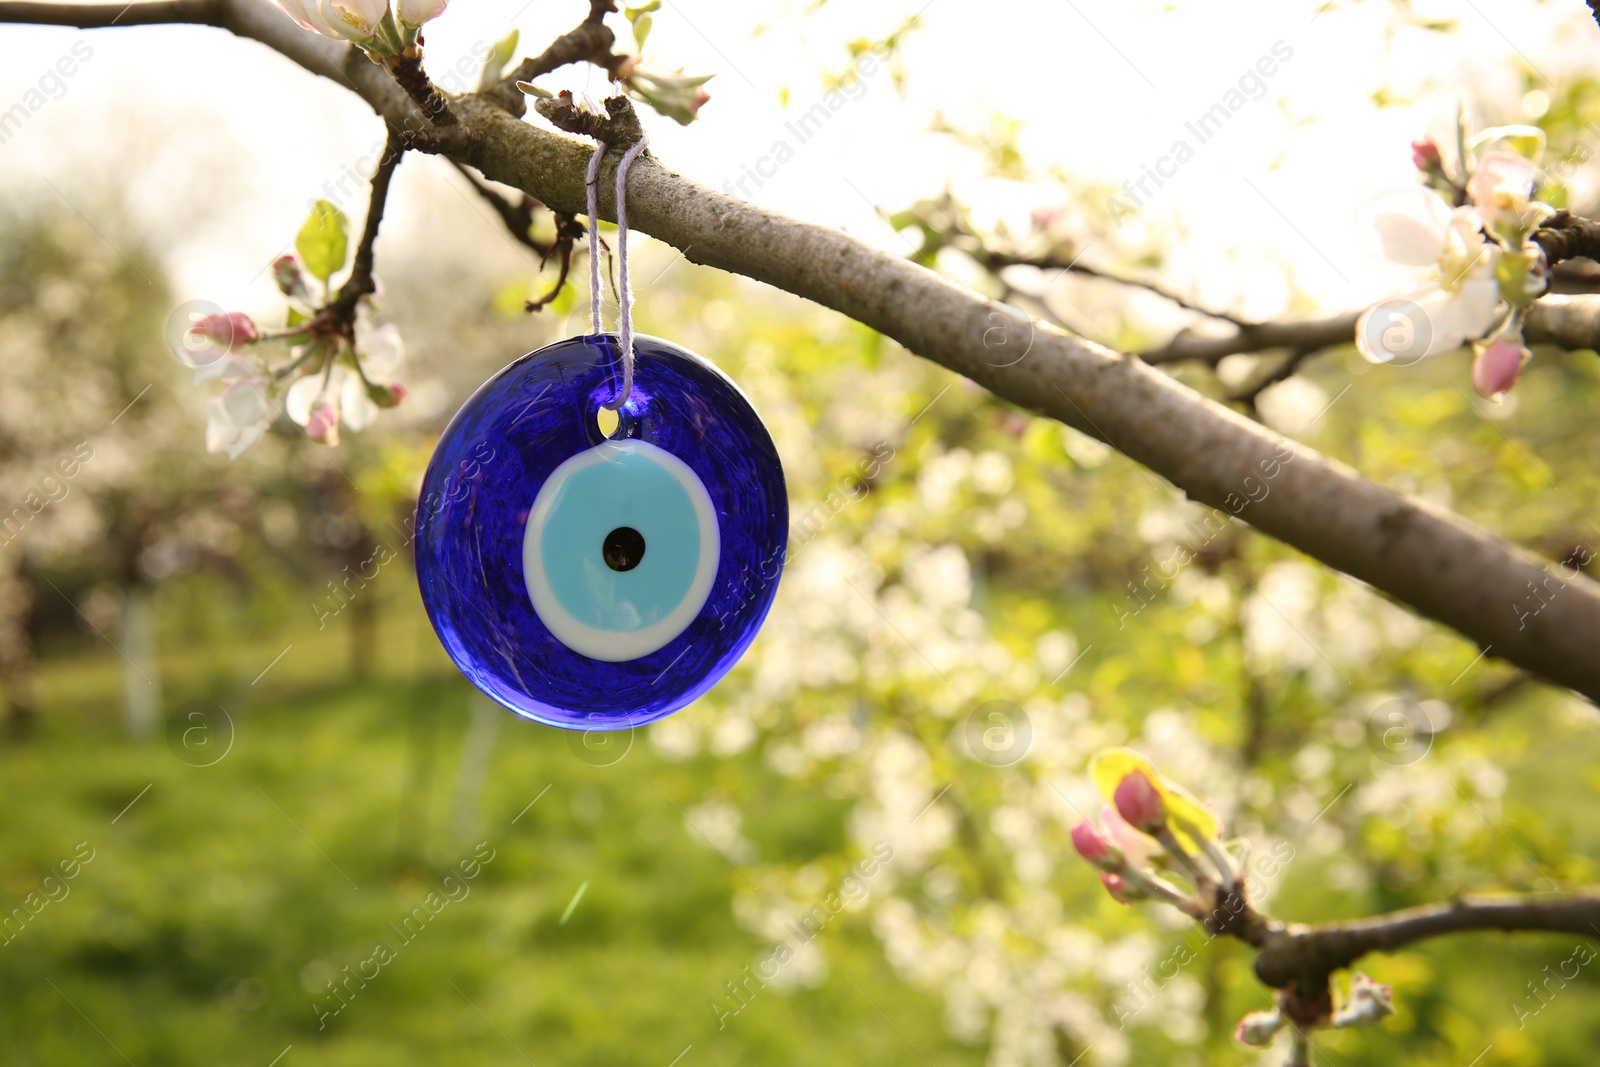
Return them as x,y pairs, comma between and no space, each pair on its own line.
593,582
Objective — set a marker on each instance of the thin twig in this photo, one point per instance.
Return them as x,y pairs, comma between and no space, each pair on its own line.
406,69
619,128
994,260
590,41
1309,334
1282,372
517,215
341,312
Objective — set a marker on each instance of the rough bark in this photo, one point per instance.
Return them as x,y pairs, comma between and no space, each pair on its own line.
1305,956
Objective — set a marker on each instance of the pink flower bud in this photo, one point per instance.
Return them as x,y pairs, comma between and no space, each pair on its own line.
1140,804
1257,1028
244,329
1501,187
288,276
1136,848
323,425
1495,367
226,331
1117,886
387,396
1425,154
677,96
1093,846
416,12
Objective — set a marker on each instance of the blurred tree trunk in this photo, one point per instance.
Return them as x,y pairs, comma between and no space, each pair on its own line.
411,839
141,672
18,666
476,750
363,635
363,605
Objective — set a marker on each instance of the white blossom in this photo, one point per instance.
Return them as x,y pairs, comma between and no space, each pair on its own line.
238,418
1459,299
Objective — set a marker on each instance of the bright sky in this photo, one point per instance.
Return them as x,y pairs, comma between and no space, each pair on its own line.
218,144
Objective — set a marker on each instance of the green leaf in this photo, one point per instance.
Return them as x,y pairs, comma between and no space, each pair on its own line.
1525,141
295,319
634,14
323,241
641,30
509,300
494,64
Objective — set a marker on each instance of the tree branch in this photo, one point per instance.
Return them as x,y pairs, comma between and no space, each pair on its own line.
1571,322
95,16
1300,958
361,282
1567,236
1304,956
1440,564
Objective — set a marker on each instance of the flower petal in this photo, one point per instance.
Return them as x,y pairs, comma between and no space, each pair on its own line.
301,396
220,432
1410,223
1502,175
357,408
308,13
246,440
355,20
1459,316
245,404
381,349
416,12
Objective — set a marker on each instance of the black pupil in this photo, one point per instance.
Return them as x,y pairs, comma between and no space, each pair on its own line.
623,548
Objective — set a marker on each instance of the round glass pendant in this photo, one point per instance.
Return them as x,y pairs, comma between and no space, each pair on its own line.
594,582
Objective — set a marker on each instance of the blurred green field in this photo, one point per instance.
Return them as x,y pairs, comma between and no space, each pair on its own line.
221,899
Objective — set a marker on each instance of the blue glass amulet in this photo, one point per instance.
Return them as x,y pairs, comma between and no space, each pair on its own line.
597,583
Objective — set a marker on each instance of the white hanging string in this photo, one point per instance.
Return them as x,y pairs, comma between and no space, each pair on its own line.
624,287
592,181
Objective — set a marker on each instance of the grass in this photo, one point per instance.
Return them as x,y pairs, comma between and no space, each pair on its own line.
221,899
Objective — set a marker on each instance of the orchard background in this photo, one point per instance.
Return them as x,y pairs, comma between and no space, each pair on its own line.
256,766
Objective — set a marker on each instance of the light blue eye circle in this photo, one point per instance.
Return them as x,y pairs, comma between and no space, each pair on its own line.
616,603
624,491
